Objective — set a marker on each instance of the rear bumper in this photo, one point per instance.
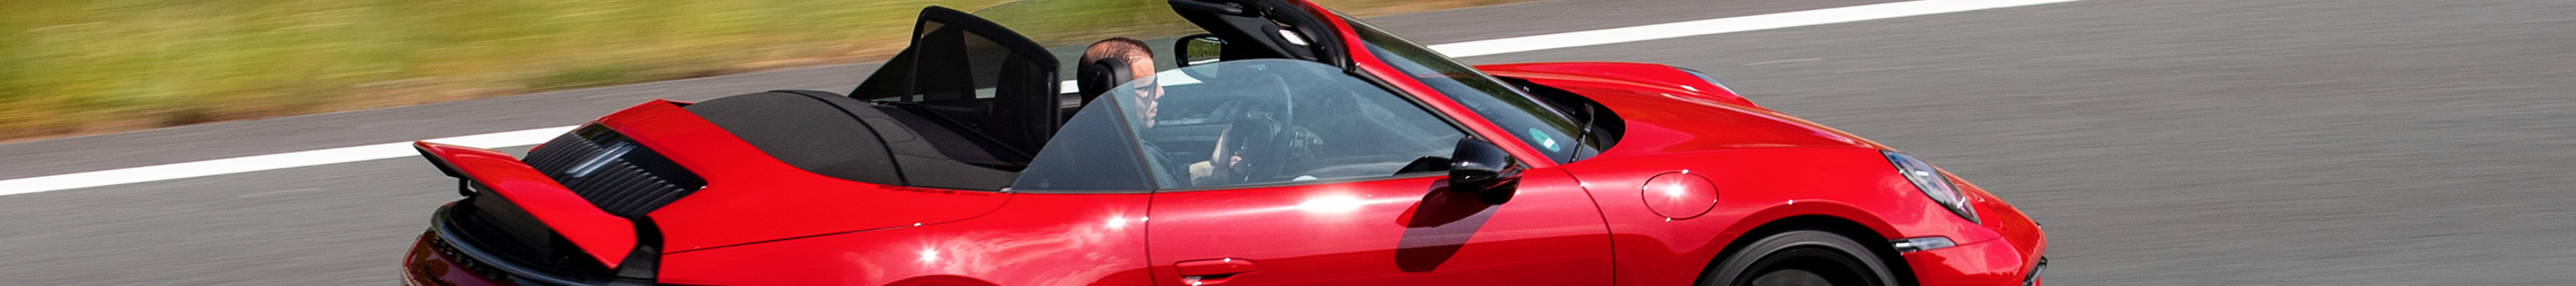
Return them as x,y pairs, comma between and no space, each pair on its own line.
440,257
430,264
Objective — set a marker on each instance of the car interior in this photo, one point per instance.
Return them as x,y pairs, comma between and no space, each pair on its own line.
972,102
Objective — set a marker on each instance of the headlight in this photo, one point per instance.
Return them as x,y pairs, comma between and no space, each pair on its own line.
1932,183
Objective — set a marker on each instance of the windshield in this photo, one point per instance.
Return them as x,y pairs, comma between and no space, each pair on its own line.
1529,121
1256,122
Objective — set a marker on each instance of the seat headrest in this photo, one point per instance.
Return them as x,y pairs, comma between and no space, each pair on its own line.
1098,76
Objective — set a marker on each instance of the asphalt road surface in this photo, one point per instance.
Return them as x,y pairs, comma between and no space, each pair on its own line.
2163,142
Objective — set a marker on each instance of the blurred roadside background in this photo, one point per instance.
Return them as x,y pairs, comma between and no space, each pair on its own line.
72,67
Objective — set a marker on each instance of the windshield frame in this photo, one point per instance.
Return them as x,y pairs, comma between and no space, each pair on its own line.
1378,68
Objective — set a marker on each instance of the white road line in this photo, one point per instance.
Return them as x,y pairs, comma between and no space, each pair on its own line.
266,162
1725,25
1463,49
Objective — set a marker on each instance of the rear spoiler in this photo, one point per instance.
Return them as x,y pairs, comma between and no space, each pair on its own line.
606,237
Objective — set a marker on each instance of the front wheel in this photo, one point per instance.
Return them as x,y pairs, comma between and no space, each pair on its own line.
1800,258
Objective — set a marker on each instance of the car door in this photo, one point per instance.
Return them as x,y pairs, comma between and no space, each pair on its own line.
1396,231
1351,198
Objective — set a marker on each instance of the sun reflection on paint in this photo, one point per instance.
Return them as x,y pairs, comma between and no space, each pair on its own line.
1674,189
1331,203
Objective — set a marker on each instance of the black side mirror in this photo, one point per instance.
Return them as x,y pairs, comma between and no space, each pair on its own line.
1197,49
1479,166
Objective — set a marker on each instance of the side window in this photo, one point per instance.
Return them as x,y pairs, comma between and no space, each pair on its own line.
1093,154
1270,121
1530,121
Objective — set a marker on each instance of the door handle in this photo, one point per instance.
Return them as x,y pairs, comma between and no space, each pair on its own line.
1212,271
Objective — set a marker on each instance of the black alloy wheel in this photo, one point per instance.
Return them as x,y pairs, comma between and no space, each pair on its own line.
1800,258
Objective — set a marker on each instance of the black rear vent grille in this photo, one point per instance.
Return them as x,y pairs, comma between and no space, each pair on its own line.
613,172
504,234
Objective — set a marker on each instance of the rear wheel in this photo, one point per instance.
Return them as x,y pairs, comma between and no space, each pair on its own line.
1800,258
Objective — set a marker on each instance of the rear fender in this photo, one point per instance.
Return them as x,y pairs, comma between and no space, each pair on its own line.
605,236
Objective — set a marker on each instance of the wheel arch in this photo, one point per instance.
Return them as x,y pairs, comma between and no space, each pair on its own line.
1874,238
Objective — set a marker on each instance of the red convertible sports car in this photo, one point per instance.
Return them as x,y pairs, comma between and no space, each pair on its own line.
1214,142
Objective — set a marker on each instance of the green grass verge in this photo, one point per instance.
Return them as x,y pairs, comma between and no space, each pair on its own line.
87,66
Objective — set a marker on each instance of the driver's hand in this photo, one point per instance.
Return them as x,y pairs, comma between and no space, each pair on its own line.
1202,173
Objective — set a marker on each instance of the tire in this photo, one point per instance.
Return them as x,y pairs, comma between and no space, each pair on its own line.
1800,258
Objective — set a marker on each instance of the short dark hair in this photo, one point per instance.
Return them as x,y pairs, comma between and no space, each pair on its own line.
1130,50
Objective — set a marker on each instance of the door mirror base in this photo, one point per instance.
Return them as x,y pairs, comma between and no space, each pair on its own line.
1481,167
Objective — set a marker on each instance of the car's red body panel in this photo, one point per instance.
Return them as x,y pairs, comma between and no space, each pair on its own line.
1767,167
1622,77
1696,170
1035,239
2003,259
1674,119
1410,231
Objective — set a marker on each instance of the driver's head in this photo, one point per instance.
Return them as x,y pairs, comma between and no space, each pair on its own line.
1140,59
1140,65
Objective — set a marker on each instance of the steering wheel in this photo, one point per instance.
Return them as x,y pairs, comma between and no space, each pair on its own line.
1240,133
1255,123
1219,169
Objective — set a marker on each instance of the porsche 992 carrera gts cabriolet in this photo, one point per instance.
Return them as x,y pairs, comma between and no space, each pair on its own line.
1214,142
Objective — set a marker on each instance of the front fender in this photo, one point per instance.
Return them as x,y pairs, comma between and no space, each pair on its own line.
1754,187
1633,77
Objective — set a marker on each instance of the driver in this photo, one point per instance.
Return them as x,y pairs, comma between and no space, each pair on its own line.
1149,93
1140,66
